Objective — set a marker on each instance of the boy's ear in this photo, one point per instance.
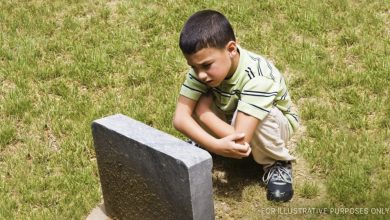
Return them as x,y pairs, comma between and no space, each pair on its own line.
231,47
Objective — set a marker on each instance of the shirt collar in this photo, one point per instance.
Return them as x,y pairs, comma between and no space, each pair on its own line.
234,78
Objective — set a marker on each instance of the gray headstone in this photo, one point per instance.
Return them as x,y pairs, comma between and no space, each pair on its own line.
148,174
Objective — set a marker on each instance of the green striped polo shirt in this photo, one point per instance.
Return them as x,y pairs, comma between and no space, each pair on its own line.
255,87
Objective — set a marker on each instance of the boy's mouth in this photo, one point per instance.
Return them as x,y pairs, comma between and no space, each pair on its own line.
212,83
209,82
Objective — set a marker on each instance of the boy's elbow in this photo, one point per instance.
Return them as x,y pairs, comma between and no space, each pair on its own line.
176,122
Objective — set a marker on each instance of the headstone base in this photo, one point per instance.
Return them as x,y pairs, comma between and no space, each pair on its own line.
98,213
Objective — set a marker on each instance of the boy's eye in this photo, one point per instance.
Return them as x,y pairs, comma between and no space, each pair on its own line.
206,65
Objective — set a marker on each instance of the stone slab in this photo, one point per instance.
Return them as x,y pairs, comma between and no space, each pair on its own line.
148,174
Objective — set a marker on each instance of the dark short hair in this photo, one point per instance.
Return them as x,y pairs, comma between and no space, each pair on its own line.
205,29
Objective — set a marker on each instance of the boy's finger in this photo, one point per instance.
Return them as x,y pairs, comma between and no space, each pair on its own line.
236,136
242,147
248,152
243,154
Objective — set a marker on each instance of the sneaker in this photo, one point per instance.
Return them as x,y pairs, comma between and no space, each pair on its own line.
278,179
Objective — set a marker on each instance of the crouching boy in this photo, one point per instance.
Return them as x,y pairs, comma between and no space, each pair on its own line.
234,102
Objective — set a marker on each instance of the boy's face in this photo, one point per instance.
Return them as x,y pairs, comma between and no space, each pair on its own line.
213,65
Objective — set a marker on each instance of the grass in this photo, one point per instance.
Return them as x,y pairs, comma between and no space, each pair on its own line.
64,64
309,190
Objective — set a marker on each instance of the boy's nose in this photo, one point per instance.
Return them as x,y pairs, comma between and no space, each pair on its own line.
202,76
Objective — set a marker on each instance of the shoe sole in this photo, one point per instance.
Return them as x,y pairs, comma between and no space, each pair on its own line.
288,196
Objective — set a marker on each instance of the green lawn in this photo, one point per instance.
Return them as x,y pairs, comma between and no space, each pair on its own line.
64,64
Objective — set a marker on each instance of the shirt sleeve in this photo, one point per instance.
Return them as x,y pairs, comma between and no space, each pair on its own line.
257,97
192,87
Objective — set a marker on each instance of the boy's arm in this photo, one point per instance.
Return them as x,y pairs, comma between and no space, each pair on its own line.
205,115
244,123
247,124
226,146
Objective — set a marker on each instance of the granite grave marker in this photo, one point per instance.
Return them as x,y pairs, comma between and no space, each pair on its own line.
148,174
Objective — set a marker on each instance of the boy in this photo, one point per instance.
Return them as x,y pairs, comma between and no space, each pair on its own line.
234,102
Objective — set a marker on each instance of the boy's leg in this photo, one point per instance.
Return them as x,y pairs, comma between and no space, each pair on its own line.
269,148
269,142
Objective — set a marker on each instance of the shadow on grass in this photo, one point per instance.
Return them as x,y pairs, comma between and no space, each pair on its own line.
230,176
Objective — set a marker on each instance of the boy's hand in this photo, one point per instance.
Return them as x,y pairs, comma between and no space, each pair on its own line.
229,146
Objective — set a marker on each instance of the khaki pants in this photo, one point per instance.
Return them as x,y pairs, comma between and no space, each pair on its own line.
269,141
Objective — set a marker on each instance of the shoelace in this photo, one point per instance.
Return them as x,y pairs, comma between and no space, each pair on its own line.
280,172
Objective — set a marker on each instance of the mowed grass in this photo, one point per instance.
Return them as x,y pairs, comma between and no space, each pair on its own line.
64,64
